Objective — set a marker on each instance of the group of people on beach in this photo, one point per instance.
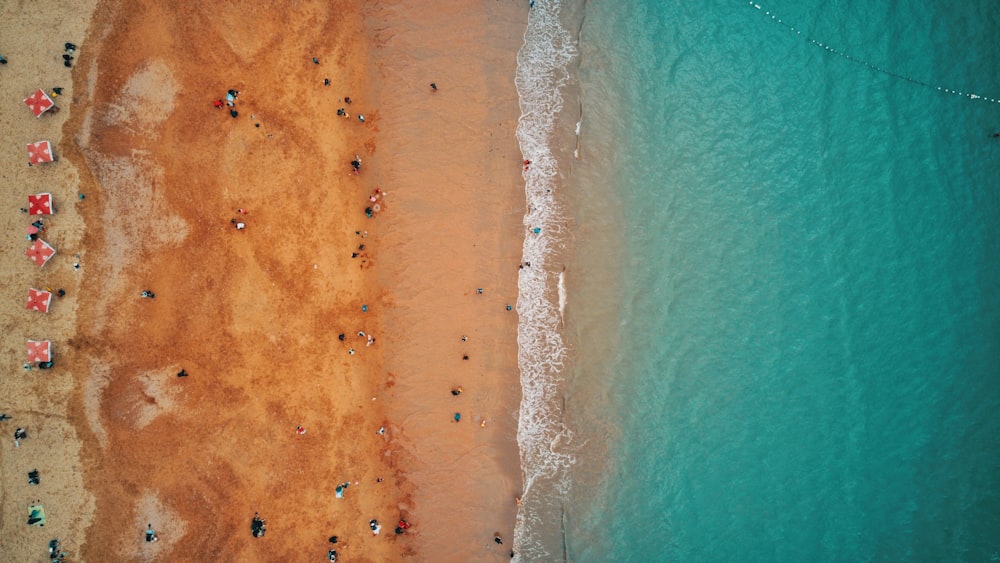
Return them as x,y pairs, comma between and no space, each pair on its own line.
36,514
258,525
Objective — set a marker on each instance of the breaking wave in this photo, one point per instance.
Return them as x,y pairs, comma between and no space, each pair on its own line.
543,71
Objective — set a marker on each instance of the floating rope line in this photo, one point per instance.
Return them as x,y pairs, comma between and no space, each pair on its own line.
969,95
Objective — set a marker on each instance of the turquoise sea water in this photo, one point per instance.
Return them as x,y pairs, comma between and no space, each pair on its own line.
783,305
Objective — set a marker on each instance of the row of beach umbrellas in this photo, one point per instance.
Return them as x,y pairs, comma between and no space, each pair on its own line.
40,252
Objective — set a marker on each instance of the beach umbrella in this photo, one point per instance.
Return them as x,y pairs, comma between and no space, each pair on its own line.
39,300
40,204
39,102
40,252
39,152
39,351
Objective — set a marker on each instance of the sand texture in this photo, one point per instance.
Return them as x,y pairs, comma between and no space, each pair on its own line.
253,316
40,401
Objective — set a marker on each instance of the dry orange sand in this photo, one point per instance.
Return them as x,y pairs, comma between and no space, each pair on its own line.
253,316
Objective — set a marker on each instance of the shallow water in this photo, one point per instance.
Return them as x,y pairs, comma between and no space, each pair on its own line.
783,315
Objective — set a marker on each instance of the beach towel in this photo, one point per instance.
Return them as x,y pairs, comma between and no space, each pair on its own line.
36,515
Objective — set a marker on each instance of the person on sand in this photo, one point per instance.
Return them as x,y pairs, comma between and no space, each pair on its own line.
258,526
497,539
458,417
434,87
375,526
19,434
150,534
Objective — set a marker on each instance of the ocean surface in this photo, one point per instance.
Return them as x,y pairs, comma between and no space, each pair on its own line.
761,320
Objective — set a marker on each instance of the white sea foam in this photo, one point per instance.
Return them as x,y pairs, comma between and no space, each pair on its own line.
542,74
562,297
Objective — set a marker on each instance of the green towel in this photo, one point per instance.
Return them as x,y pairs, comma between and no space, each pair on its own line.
36,515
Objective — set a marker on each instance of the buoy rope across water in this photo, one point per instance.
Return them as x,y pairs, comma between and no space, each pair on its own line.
875,68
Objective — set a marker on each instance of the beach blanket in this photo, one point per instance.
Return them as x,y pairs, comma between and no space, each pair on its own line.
36,515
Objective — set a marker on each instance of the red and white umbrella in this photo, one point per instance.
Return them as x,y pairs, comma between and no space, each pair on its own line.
39,300
40,252
39,152
39,351
39,102
40,204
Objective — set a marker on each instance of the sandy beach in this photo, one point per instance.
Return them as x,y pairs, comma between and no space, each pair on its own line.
318,345
41,402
